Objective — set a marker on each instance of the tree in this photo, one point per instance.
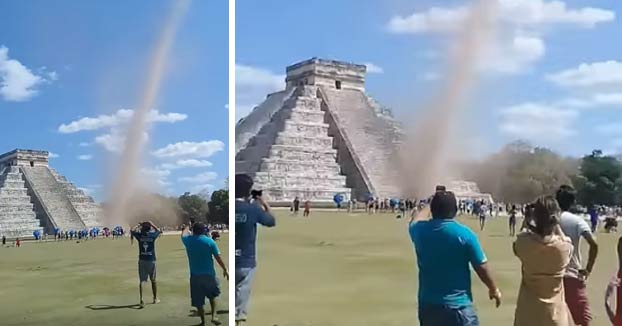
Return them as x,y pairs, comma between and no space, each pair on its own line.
600,180
219,207
192,207
519,172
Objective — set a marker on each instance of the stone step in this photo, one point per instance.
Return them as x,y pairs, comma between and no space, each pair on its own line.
298,114
14,200
288,194
13,192
284,166
312,142
306,128
16,209
291,155
308,103
272,180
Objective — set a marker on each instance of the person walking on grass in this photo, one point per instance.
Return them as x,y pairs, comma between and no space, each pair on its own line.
247,216
544,252
201,251
445,296
512,221
146,234
576,275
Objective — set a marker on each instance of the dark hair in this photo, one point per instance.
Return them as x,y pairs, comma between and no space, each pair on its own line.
145,227
199,228
444,205
545,211
566,196
243,185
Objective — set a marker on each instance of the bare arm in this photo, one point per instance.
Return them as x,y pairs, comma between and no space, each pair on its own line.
222,265
422,215
185,230
593,253
155,227
609,294
484,275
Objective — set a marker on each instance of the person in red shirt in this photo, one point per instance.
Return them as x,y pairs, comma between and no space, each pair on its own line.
18,242
307,209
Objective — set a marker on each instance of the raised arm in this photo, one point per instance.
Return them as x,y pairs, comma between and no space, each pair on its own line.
265,217
185,230
421,215
155,227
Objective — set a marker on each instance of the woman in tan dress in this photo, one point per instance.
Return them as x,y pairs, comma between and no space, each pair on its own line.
544,252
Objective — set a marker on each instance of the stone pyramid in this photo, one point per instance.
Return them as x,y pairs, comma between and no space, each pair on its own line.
320,136
34,196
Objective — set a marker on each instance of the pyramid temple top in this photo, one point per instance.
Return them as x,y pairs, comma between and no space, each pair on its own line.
25,157
328,73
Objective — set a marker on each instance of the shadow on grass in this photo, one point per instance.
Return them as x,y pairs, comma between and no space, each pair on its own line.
109,307
194,313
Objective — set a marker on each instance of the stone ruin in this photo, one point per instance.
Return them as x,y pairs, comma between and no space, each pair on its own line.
468,190
34,196
320,136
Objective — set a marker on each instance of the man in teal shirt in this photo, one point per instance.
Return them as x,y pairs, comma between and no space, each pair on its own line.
203,282
445,249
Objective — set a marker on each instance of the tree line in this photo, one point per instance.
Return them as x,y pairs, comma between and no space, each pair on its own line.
520,172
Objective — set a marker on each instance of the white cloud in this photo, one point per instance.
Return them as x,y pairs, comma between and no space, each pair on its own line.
114,141
116,119
608,98
17,82
540,123
53,155
373,69
252,84
519,13
202,149
191,163
85,157
605,74
155,172
514,56
202,178
84,144
522,23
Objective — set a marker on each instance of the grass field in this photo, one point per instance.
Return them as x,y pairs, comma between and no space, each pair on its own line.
96,283
341,269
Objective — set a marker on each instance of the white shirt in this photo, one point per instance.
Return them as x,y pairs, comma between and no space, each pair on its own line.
573,227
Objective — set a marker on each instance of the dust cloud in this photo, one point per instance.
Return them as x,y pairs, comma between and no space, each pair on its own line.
126,177
431,148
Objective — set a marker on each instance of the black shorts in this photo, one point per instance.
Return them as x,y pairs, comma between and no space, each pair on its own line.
201,287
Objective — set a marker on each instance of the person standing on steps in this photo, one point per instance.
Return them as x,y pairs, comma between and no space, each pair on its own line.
146,234
247,216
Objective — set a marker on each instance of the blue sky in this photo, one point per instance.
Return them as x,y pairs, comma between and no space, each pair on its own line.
552,75
71,71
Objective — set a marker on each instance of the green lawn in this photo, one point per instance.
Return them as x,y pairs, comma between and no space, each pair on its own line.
341,269
96,283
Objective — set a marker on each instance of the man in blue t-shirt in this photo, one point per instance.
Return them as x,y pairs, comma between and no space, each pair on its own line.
203,282
146,234
445,296
247,216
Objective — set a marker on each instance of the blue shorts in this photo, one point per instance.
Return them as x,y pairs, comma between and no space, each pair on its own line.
438,315
201,287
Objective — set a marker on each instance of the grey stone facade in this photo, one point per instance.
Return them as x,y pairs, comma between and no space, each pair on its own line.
322,135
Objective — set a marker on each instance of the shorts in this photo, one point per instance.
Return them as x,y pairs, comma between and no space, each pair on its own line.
439,315
146,270
576,299
201,287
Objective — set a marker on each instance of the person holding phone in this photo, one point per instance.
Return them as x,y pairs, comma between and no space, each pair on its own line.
247,216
